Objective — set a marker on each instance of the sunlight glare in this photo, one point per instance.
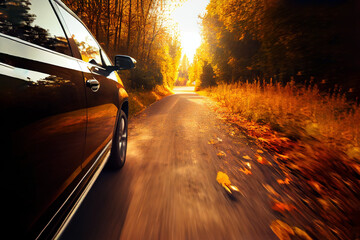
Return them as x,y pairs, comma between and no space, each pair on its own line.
188,23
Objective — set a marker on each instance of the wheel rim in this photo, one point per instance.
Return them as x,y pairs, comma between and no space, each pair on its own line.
122,138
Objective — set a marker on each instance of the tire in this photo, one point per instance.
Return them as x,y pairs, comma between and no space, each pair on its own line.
119,144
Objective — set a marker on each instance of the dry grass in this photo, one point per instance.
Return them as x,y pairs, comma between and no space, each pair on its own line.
300,113
315,141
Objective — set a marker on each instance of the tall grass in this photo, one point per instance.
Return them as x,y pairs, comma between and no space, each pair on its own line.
299,112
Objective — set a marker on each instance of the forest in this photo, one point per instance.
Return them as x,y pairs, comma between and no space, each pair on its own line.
137,28
313,42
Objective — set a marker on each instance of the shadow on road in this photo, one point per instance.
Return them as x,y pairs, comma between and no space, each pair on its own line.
109,195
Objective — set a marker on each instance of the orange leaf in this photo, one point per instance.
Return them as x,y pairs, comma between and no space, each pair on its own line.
247,157
282,156
261,159
315,185
302,233
285,181
282,207
246,171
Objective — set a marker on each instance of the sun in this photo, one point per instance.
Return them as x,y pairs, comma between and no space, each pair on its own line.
190,41
187,19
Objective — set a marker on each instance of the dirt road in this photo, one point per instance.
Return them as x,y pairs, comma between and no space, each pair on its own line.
168,189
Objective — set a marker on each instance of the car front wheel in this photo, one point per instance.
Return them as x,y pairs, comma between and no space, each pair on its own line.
119,145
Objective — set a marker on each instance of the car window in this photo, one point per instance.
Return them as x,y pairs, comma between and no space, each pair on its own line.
33,21
88,47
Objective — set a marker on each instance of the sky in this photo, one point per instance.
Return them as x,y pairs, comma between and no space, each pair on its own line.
188,22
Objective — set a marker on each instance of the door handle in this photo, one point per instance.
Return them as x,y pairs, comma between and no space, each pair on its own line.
93,84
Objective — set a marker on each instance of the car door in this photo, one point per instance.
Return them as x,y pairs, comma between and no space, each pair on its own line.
101,91
43,114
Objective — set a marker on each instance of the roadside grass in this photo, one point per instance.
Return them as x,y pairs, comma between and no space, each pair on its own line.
139,100
298,113
315,140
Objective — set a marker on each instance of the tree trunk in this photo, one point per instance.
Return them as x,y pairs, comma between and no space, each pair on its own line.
129,30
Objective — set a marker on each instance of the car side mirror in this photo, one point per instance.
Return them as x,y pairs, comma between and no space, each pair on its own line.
123,62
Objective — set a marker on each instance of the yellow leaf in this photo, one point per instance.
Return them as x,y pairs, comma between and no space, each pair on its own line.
221,154
247,157
281,230
211,141
260,151
223,178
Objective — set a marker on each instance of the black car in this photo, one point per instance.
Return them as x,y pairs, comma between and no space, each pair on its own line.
64,114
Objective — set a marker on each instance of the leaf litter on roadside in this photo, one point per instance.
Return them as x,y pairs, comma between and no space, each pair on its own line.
284,232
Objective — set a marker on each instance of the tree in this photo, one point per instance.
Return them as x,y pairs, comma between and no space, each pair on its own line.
284,39
183,71
136,28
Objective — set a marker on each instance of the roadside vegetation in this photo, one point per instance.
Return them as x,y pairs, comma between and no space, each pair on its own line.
138,29
314,139
286,74
142,99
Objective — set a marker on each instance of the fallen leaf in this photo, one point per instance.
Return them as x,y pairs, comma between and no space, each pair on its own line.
325,204
285,181
219,139
247,157
356,167
221,154
315,185
270,190
261,159
260,151
246,171
211,141
281,230
282,207
223,178
282,156
302,233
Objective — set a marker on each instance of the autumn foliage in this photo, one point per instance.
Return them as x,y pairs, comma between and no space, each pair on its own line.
283,40
314,138
137,28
